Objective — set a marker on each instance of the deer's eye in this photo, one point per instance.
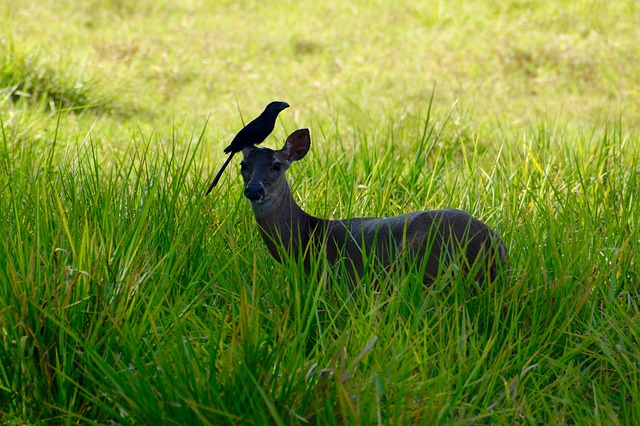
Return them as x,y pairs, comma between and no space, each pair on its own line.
277,166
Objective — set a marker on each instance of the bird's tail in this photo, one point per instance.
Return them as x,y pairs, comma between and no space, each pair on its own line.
217,178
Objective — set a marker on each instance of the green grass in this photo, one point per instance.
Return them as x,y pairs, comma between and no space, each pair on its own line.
127,297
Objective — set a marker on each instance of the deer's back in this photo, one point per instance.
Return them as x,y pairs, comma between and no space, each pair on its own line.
431,236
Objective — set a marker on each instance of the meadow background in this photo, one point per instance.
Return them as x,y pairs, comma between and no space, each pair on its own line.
126,297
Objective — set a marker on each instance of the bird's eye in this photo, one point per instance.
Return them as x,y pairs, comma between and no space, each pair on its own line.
243,166
277,166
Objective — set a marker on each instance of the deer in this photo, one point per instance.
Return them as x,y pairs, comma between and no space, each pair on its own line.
430,238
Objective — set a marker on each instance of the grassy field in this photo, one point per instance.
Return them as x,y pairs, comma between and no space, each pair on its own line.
126,297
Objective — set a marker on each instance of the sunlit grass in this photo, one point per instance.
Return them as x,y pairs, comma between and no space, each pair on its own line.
507,64
127,297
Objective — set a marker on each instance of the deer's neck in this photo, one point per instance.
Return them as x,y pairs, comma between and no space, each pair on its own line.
283,224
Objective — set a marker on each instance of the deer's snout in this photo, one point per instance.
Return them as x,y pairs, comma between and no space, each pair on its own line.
254,192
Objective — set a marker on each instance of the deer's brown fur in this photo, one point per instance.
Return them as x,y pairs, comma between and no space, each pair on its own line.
431,236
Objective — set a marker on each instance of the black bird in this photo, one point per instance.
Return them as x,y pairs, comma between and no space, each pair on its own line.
252,134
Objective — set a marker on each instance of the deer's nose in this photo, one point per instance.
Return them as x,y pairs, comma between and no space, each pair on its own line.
254,192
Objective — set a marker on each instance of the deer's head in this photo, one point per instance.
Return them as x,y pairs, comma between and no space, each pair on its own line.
263,169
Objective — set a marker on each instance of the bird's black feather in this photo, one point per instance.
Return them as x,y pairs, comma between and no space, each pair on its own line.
252,134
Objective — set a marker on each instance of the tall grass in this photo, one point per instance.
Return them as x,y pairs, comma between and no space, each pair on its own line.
127,297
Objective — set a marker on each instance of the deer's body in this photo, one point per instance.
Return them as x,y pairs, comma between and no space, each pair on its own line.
424,236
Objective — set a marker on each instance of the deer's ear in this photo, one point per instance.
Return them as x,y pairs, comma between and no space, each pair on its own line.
297,145
248,150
